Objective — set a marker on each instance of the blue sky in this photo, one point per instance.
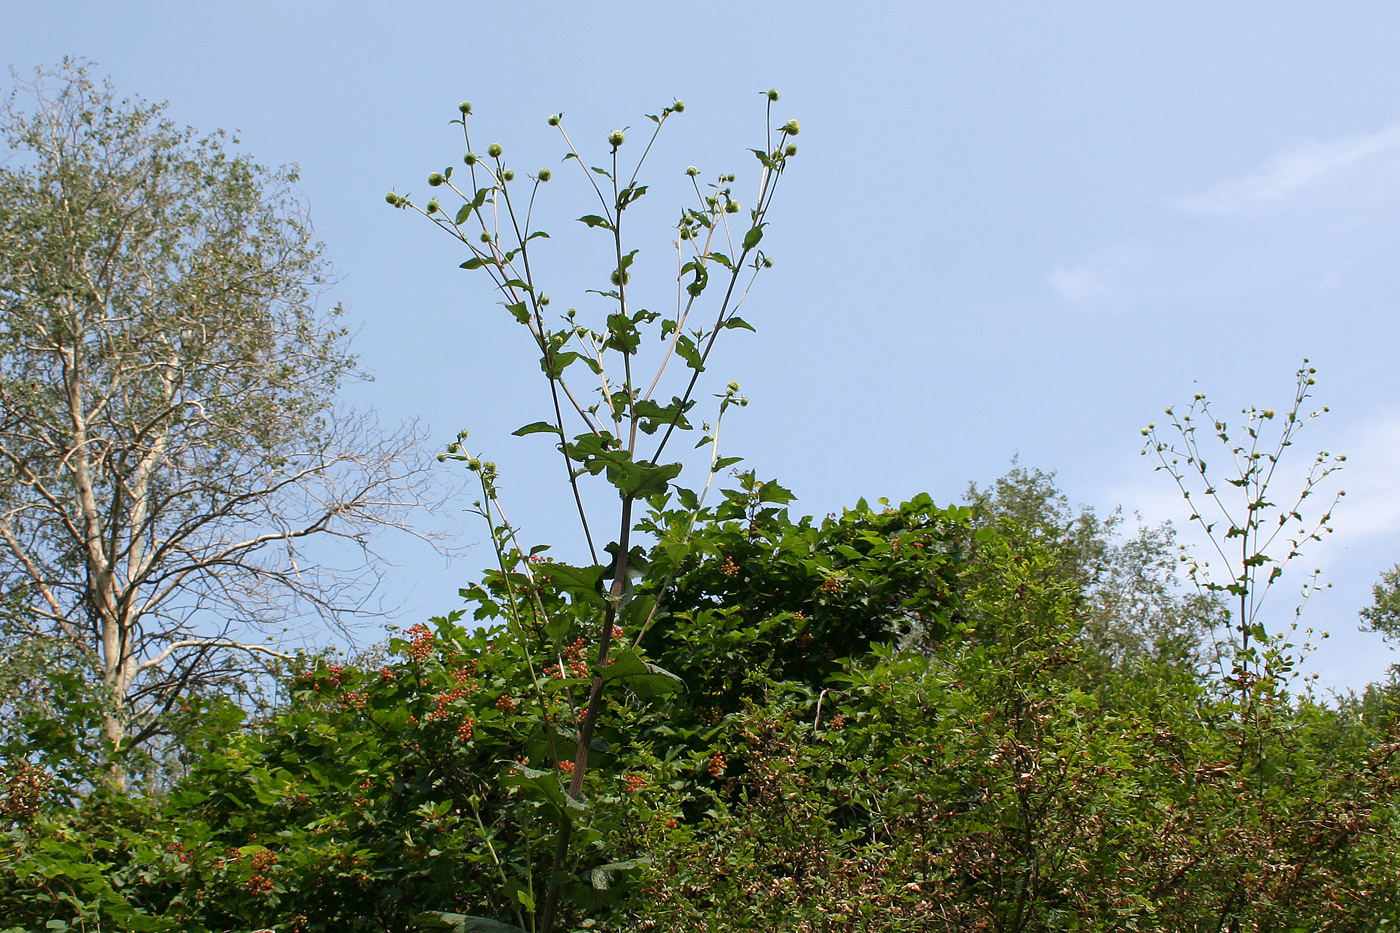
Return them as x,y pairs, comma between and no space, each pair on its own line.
1011,229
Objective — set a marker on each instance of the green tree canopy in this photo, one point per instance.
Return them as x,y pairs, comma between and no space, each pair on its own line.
168,441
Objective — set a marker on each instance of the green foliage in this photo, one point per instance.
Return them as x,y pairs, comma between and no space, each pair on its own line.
998,717
1133,608
494,221
1383,615
168,436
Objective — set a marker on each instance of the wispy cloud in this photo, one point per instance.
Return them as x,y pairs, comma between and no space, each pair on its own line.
1291,170
1099,279
1372,505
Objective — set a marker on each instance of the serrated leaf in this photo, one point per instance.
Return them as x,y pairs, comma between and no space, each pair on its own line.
645,679
583,584
602,876
554,365
538,427
544,786
462,923
688,351
702,278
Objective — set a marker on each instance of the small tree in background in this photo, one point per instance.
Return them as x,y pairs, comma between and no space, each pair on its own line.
168,443
1254,533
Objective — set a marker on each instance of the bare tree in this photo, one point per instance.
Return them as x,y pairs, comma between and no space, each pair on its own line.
169,443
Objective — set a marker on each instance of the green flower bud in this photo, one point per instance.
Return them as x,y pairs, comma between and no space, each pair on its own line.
732,387
791,150
554,119
767,263
508,175
772,93
473,464
485,237
494,150
544,301
685,233
615,138
392,198
545,174
792,127
678,107
433,207
436,179
465,107
471,158
692,171
620,278
731,207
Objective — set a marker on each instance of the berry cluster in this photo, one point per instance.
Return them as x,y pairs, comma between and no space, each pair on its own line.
574,659
464,731
567,767
635,782
420,642
335,676
728,567
441,702
259,882
506,703
718,764
354,700
178,848
22,788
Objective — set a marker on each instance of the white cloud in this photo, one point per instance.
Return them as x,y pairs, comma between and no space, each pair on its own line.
1291,170
1372,481
1099,279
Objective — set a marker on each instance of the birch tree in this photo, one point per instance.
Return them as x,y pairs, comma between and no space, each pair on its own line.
169,442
